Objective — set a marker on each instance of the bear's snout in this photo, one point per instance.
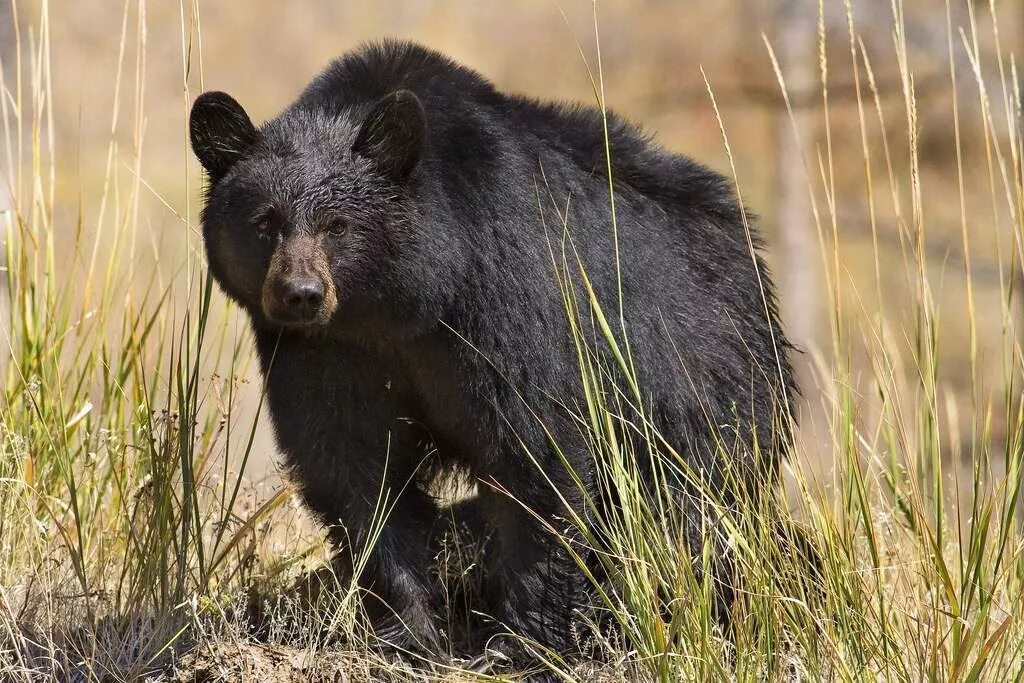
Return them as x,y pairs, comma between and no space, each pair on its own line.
298,289
302,297
295,300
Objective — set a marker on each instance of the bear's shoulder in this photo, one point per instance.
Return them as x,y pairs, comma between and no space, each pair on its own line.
378,68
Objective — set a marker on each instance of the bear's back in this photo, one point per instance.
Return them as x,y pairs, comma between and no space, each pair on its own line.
376,69
472,124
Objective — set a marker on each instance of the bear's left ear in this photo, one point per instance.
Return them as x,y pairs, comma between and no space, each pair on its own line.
392,135
220,131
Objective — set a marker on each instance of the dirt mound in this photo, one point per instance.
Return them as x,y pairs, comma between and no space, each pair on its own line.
249,661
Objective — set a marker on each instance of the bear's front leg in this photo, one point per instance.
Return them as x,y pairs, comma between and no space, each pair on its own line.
387,549
344,424
535,586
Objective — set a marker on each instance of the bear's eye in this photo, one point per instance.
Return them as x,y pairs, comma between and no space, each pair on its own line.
266,223
337,227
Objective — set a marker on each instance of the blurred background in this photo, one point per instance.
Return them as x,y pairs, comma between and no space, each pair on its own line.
835,189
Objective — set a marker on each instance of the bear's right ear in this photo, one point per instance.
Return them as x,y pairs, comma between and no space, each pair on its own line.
220,131
393,133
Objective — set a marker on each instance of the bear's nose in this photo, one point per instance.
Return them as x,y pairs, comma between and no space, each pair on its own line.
303,297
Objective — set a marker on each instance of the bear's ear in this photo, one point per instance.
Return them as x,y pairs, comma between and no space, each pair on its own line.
392,135
220,131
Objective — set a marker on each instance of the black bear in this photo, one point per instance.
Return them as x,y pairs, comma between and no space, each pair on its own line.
395,235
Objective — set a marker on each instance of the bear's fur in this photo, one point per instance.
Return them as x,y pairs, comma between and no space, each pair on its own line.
397,237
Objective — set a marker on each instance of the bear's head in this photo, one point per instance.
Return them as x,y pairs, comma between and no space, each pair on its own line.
304,214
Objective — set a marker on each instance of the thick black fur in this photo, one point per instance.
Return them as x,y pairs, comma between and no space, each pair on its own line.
436,202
